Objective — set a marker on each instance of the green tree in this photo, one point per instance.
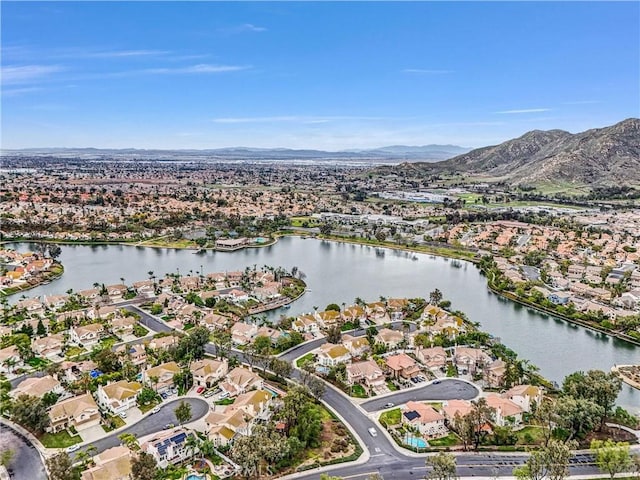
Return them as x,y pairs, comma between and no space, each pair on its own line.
183,412
6,455
435,297
611,457
280,367
146,396
144,467
550,462
578,415
333,307
441,466
262,345
60,467
31,413
597,386
130,440
40,329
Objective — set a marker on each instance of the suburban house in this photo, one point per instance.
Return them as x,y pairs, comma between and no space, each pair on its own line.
112,464
37,387
137,353
434,358
402,365
116,292
425,418
330,354
243,333
80,412
73,371
238,418
306,324
87,335
10,359
272,334
452,408
240,380
494,373
32,306
506,411
470,359
169,447
213,321
91,294
144,288
49,346
55,301
162,343
525,396
118,397
367,373
161,377
389,338
376,310
123,326
354,314
207,371
357,346
328,318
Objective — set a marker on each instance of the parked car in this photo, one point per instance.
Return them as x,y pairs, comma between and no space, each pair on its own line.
200,390
224,395
169,425
155,409
372,432
389,405
209,393
73,448
435,382
122,414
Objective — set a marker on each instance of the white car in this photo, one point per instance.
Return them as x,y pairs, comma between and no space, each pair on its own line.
155,409
372,432
73,448
122,414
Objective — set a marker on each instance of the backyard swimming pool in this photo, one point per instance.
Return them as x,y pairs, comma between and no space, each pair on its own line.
416,442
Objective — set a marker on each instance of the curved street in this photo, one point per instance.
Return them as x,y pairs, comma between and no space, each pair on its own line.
27,462
153,423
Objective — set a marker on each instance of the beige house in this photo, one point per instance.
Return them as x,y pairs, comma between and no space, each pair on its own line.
306,324
494,373
240,380
37,387
238,418
162,374
506,411
169,447
162,343
112,464
525,396
425,418
330,354
208,371
123,326
367,373
402,366
80,412
389,338
357,346
10,359
213,321
49,346
87,335
470,359
434,358
118,397
137,353
243,333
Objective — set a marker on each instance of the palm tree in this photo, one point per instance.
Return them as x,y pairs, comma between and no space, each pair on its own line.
9,363
154,381
192,444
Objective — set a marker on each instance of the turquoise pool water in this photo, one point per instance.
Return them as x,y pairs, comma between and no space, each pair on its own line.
193,476
416,442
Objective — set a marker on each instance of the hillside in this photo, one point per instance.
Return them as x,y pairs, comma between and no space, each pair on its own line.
601,156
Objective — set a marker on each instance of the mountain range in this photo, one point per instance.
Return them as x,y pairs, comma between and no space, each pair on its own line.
600,156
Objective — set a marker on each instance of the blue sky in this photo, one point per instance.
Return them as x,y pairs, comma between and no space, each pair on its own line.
312,75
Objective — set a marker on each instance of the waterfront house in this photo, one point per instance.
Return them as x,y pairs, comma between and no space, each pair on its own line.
55,301
376,310
425,418
161,377
112,464
118,397
494,373
80,412
330,354
402,366
116,292
506,412
86,336
526,396
91,294
37,387
47,347
214,321
470,359
208,371
169,447
32,306
272,334
306,324
354,314
328,318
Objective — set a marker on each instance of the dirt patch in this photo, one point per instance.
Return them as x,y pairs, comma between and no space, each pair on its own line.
615,434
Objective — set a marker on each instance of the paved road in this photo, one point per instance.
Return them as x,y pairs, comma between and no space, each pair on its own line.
447,389
26,463
155,422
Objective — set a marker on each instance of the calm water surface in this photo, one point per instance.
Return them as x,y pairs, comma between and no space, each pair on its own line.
340,272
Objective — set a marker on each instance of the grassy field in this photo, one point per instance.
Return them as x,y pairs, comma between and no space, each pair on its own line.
302,360
299,221
166,243
59,440
530,435
448,441
358,391
562,187
392,417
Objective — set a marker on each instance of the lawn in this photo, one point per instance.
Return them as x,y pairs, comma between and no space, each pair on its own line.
530,435
303,221
358,391
302,360
74,351
59,440
225,401
392,386
112,423
146,408
448,441
38,362
390,418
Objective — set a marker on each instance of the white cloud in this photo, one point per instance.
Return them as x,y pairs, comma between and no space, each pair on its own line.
125,53
249,27
15,74
524,110
200,68
294,118
424,71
